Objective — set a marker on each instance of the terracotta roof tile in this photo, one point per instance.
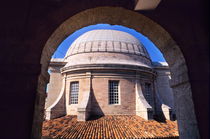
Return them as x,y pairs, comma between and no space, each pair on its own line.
116,127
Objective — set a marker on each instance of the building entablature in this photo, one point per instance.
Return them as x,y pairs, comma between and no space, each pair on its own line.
116,67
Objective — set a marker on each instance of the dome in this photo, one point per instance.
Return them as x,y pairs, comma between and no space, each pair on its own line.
107,41
107,47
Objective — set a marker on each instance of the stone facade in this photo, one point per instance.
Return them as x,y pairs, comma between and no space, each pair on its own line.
140,83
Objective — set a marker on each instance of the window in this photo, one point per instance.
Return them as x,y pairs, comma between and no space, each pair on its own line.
74,89
113,92
148,93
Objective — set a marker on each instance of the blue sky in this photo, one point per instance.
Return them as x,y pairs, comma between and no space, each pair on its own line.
153,51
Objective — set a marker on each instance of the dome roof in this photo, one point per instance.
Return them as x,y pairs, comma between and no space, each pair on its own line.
107,41
106,47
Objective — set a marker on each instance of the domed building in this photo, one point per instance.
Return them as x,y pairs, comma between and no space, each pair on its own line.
108,72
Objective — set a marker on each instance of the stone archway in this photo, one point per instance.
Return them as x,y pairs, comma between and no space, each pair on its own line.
119,16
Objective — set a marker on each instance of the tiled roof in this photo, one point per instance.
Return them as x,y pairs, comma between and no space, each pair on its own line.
112,127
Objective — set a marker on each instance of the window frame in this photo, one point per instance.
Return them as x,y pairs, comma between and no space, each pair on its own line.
76,98
118,92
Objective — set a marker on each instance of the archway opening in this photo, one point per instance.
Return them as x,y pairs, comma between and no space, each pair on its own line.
158,90
172,53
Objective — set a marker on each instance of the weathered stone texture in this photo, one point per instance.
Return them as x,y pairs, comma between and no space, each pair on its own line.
185,116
